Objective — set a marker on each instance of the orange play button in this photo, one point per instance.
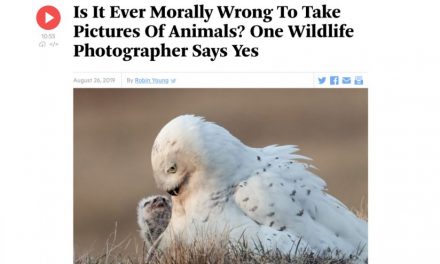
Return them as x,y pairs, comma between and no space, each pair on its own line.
48,17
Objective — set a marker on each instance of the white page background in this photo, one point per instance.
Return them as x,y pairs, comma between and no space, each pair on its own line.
397,45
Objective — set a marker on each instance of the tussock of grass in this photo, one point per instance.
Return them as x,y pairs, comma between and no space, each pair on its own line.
212,250
224,252
209,251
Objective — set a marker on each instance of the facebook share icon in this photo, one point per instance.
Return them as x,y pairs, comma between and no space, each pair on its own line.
334,80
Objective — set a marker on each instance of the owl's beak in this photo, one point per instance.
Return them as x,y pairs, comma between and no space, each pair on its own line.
175,191
178,188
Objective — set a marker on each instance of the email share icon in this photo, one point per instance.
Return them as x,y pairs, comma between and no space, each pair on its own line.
346,80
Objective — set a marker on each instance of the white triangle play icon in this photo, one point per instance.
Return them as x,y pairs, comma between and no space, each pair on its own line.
48,18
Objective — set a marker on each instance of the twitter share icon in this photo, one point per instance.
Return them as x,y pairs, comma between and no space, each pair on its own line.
321,80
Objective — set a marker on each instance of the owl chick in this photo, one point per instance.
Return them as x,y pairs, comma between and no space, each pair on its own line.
153,215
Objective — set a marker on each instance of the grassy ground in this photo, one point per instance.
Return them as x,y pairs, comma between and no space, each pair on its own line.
210,251
213,254
206,252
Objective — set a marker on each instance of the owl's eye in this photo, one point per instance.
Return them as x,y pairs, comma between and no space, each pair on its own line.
172,168
146,203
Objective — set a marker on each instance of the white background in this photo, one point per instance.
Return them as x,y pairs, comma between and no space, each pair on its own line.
396,43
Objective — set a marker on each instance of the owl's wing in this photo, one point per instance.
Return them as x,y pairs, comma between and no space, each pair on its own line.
284,195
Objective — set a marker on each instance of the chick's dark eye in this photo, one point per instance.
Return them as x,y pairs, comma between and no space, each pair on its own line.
172,168
146,203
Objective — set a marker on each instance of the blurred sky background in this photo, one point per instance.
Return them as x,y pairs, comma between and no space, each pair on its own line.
114,130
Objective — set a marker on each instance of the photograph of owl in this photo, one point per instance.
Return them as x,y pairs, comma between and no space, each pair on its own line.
268,194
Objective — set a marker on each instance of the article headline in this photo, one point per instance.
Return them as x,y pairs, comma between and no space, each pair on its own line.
314,24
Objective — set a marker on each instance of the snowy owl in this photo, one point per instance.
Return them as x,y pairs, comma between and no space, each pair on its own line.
262,195
153,215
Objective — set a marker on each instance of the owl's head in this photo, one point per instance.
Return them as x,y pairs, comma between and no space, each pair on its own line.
190,153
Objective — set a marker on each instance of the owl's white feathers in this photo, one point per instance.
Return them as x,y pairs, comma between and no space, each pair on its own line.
257,194
283,194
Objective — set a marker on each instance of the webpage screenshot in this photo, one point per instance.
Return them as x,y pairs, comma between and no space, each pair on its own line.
217,132
192,141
